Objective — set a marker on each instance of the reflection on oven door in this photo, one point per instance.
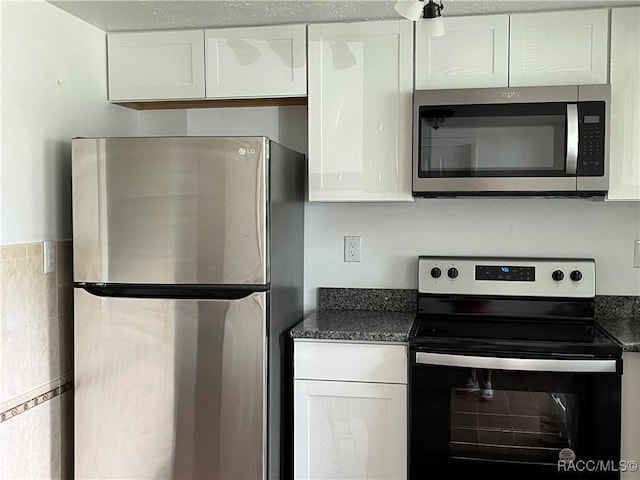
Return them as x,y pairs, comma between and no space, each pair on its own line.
524,425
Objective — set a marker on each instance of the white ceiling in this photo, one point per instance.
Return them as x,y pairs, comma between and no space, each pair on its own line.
132,15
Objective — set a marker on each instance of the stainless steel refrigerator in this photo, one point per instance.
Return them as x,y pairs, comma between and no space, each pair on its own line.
188,266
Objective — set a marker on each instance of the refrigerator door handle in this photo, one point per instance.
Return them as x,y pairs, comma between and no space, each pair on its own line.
187,292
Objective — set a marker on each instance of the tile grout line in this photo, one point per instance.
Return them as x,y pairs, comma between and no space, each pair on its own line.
31,399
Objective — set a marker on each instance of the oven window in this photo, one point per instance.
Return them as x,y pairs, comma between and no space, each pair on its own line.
492,140
530,425
531,421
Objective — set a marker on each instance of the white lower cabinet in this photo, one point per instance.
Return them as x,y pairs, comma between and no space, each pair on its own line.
350,430
630,412
353,429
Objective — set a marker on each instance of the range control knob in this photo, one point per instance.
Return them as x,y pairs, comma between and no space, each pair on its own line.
557,275
575,276
436,272
453,273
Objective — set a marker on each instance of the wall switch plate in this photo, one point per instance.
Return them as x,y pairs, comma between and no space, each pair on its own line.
636,254
351,249
48,256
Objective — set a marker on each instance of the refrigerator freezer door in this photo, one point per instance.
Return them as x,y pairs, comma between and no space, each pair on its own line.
183,210
170,388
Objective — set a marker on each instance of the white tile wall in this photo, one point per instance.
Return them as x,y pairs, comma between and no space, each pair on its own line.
36,350
37,444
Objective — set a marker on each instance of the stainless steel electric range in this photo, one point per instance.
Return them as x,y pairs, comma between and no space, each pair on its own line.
510,374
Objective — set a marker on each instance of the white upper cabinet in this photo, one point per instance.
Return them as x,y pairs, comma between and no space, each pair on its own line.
360,104
624,150
156,65
256,62
474,53
559,48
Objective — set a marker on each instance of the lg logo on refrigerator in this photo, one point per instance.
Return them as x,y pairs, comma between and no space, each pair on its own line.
247,151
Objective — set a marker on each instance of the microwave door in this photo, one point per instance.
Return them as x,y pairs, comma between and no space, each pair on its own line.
497,149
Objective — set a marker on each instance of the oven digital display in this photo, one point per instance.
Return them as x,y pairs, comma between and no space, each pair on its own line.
505,273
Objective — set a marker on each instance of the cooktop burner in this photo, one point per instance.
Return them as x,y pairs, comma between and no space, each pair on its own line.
496,305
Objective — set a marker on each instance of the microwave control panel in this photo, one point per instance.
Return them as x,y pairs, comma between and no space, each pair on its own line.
591,146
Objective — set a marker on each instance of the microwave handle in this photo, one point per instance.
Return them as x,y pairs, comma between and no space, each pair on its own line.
572,139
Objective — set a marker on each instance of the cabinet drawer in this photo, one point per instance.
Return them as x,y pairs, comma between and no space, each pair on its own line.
356,362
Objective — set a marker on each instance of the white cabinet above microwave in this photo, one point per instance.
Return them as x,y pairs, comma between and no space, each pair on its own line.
529,49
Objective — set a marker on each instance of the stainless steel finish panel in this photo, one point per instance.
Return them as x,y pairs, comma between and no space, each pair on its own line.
588,93
519,364
170,388
478,96
571,164
189,210
597,93
544,285
286,214
492,184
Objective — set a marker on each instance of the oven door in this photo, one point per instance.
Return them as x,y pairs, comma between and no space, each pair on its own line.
544,413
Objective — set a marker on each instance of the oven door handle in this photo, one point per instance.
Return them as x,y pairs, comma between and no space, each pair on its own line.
523,364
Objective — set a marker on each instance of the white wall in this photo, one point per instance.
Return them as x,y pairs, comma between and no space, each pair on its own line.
393,235
162,123
243,121
53,88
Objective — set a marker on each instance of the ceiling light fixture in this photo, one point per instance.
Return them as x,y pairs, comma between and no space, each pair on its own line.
430,12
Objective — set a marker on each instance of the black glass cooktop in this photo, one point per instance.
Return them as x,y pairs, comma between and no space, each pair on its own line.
507,326
504,336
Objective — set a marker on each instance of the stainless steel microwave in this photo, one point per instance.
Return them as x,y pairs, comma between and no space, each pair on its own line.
512,141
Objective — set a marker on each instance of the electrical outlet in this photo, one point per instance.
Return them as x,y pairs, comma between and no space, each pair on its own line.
636,254
48,256
351,249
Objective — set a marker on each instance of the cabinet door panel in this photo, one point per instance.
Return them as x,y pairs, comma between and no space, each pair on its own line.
256,62
624,151
156,65
360,101
350,430
630,411
474,53
559,48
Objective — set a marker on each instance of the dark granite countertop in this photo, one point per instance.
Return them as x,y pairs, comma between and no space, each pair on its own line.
386,315
360,314
620,316
356,325
625,330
